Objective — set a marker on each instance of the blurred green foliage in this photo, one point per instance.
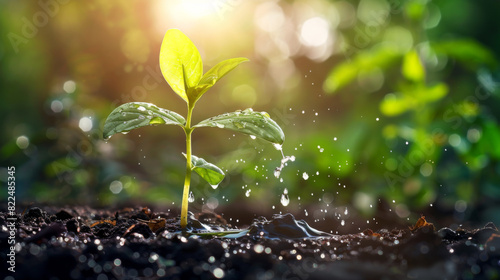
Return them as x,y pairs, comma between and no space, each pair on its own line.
380,100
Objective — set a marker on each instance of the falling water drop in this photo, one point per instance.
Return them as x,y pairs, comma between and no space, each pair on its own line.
247,193
191,197
285,200
214,186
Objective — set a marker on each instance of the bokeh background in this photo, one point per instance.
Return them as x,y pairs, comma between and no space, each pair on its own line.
389,106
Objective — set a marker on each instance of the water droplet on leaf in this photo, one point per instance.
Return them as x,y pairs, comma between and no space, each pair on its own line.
157,120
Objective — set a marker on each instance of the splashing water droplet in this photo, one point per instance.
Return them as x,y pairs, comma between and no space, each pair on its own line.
247,193
342,223
305,175
346,212
191,197
285,200
305,213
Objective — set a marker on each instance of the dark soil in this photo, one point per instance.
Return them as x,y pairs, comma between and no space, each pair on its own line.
135,243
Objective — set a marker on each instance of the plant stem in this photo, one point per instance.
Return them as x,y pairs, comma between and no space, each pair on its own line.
187,181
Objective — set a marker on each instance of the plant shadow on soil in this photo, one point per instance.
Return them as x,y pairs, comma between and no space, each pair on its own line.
137,243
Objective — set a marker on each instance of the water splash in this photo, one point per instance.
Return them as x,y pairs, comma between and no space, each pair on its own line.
284,160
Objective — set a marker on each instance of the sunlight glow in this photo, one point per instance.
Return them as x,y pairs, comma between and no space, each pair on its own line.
185,10
314,32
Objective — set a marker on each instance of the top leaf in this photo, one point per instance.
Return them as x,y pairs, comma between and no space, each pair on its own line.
213,75
180,63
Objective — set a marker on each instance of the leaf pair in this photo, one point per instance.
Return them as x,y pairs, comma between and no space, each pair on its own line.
182,67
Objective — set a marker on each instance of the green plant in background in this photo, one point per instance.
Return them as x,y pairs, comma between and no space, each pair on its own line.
182,68
430,100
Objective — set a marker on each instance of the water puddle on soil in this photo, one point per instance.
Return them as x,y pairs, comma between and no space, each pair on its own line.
278,227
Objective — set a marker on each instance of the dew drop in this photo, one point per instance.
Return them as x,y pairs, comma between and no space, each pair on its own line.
285,200
140,108
253,137
157,120
191,197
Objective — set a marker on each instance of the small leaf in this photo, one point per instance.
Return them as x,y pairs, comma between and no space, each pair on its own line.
347,71
208,171
412,67
395,104
138,114
257,124
180,62
468,52
215,74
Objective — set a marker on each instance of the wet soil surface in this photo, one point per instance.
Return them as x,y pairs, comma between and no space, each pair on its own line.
136,243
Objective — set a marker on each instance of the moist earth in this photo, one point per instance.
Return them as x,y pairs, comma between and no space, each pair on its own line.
137,243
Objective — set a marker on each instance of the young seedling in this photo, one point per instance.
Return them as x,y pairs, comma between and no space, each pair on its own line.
182,68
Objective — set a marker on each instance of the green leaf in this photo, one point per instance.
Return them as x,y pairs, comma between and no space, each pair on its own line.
208,171
412,68
395,104
257,124
180,62
347,71
216,73
468,52
138,114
